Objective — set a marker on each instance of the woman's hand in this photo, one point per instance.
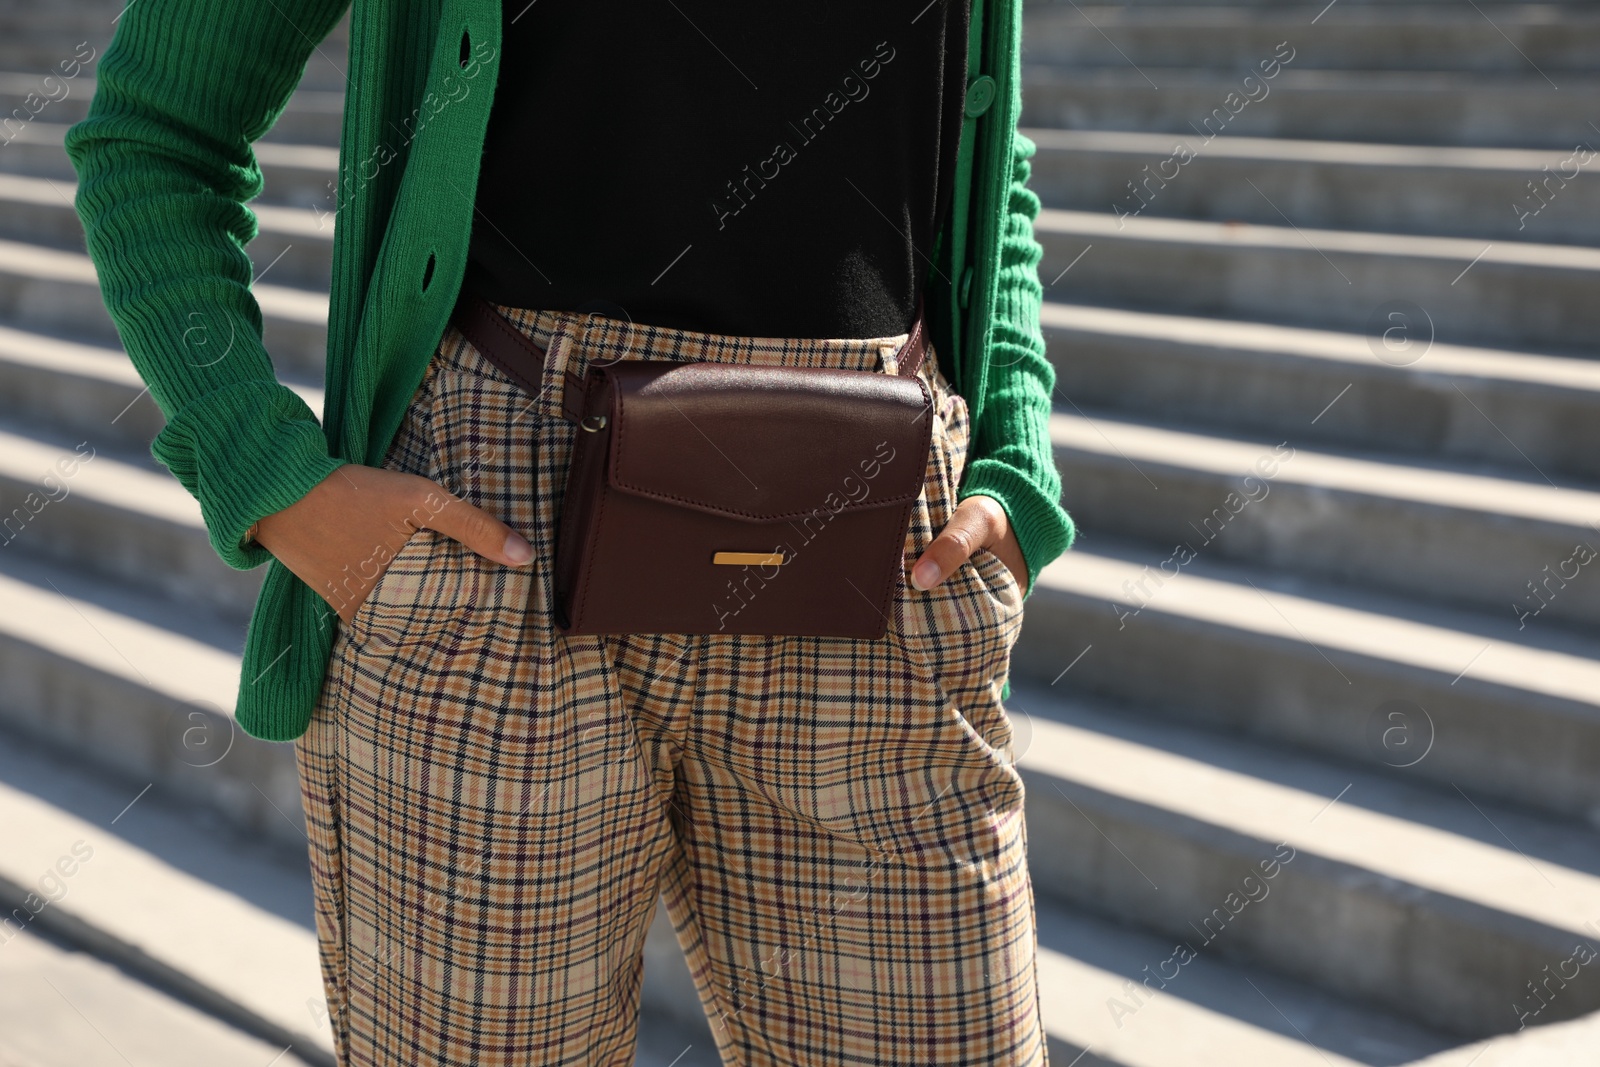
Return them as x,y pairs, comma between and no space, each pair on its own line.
340,537
978,522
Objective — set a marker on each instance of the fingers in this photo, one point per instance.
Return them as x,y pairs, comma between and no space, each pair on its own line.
480,531
972,526
340,537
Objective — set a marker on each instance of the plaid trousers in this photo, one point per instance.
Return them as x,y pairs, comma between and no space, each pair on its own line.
494,808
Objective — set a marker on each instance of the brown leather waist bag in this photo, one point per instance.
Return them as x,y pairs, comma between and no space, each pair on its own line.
727,498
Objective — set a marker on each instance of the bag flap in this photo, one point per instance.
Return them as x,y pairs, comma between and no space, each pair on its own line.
767,443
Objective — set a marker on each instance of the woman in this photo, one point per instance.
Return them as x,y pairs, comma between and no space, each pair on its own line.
494,805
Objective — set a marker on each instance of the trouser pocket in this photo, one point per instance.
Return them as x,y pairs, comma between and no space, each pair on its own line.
962,630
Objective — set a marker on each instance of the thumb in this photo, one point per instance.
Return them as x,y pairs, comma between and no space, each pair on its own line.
475,528
968,529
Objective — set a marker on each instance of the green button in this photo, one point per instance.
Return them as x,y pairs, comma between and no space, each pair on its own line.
980,94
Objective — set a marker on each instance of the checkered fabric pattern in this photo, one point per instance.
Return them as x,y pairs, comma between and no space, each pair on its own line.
494,808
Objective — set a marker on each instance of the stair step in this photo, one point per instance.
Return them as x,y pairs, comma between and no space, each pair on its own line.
1316,386
1406,107
1479,540
36,149
89,509
58,292
42,40
1219,1013
140,687
1185,831
39,211
312,116
1416,189
293,175
294,245
1215,1012
234,935
65,1008
300,175
1452,402
77,389
1404,36
89,392
1501,712
1516,294
1550,1045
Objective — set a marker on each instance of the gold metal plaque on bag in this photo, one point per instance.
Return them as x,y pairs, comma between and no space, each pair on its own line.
748,559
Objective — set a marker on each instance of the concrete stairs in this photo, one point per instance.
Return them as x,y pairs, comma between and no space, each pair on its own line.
1324,393
1385,188
1507,293
1352,36
1336,689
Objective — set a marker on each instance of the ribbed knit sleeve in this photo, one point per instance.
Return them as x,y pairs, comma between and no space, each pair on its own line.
165,168
1012,458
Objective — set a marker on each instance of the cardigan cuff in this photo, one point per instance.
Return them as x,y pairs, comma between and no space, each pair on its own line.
1043,527
271,454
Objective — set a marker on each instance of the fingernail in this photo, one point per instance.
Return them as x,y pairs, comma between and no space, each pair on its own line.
517,550
925,574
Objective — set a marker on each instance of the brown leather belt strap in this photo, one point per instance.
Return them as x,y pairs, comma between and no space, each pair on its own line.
512,351
523,361
916,347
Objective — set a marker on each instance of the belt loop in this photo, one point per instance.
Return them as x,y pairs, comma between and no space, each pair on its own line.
889,358
564,381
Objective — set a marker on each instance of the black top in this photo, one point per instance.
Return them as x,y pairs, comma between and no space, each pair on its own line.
721,166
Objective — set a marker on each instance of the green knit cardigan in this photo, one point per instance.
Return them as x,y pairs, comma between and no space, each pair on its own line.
166,169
